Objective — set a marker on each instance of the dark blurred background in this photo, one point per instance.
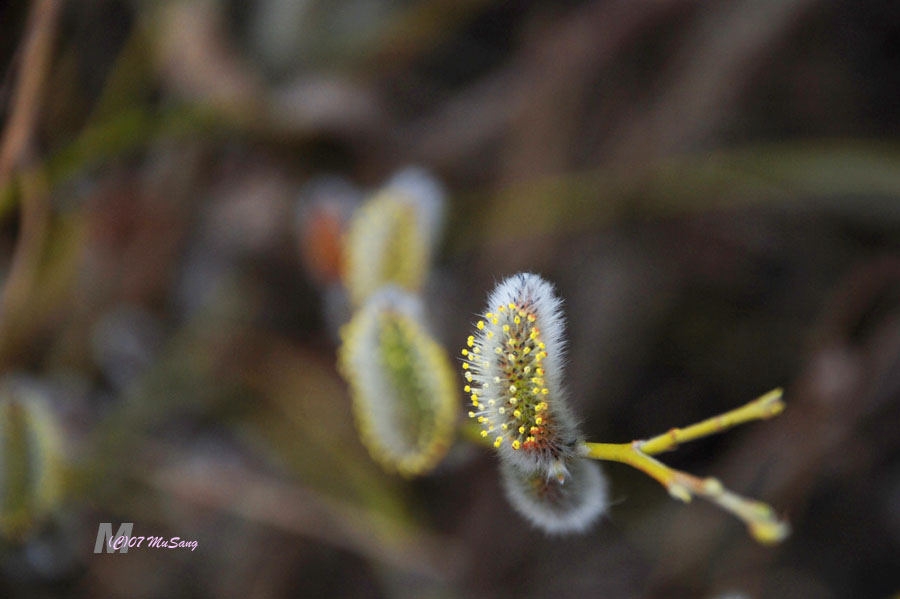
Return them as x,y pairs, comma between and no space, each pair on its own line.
714,187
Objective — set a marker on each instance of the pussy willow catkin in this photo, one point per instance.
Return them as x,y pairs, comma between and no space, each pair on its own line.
392,235
553,506
30,460
404,398
512,364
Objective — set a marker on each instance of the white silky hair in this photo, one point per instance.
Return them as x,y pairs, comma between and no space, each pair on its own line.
427,196
528,289
366,362
43,443
373,230
554,507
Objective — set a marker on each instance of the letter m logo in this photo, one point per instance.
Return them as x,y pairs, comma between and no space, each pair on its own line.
106,539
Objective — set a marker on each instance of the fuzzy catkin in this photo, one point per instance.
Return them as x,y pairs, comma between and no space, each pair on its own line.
553,506
30,460
403,394
513,365
392,235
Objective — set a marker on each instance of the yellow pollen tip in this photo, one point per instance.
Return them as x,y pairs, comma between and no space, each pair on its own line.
538,420
511,306
489,315
484,433
465,365
470,340
467,388
517,414
545,391
531,318
465,352
522,429
517,320
516,445
506,328
498,441
489,334
480,324
471,414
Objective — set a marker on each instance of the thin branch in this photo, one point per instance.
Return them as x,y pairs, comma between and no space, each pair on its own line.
761,408
38,44
237,490
761,520
35,212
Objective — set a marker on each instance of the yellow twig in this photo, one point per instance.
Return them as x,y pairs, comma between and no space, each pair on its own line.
761,408
760,519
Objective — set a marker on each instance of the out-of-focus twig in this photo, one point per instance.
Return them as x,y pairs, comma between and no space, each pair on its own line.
17,136
705,77
38,45
247,494
510,99
791,176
